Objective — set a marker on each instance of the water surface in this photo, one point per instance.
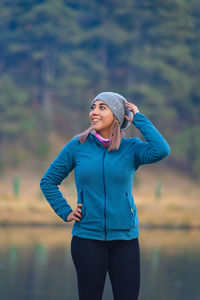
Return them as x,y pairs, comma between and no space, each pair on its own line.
36,264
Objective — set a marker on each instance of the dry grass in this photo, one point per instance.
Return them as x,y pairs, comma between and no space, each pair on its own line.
178,205
164,241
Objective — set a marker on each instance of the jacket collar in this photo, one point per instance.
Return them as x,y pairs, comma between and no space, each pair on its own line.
97,141
93,138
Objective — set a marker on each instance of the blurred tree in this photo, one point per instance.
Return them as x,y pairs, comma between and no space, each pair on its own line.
56,55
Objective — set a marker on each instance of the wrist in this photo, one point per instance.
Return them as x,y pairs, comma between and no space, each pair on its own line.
135,113
68,216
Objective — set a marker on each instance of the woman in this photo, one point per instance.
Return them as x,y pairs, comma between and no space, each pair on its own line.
105,231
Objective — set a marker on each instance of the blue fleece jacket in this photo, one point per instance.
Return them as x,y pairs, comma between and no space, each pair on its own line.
104,181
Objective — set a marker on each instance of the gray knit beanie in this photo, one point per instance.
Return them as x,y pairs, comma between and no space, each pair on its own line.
116,103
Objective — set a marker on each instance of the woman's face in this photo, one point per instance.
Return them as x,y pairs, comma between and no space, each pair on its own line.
101,118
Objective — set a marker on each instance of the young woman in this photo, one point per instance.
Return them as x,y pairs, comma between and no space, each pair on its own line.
105,231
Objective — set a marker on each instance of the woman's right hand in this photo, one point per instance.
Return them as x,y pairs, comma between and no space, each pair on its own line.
75,214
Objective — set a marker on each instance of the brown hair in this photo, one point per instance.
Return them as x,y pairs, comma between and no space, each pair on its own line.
116,135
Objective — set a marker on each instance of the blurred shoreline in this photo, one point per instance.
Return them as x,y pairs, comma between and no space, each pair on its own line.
165,199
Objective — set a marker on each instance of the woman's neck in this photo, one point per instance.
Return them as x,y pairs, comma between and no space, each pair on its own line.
100,137
104,134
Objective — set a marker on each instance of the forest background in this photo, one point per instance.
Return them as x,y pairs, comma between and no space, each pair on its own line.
55,56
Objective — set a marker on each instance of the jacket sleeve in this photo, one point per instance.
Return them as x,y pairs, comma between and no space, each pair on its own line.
154,148
55,174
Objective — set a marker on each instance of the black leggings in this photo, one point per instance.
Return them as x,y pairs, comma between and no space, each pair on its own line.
92,259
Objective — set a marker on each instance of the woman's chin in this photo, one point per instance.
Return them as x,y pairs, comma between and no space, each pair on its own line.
96,128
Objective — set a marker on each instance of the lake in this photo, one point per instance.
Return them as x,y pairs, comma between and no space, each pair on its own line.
36,264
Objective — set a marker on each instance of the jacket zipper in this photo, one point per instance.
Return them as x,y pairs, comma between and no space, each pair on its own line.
104,195
81,194
129,203
131,210
82,204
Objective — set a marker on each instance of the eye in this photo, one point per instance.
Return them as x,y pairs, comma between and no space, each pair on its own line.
92,107
102,107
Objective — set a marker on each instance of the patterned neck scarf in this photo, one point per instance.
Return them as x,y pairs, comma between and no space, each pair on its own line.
105,142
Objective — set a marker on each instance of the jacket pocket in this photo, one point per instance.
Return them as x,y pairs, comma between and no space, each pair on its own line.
83,212
83,205
133,211
121,216
91,220
129,205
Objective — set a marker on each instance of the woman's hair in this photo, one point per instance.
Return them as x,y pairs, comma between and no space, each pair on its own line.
116,135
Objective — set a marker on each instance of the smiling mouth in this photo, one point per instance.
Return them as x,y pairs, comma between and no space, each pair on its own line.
95,120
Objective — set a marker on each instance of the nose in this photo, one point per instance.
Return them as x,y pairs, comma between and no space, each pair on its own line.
95,111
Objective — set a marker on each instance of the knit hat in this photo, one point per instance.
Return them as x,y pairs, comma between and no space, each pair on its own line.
116,103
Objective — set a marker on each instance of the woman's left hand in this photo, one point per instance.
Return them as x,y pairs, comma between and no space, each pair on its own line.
133,108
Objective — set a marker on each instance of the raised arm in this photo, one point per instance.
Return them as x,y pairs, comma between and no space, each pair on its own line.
155,147
55,174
